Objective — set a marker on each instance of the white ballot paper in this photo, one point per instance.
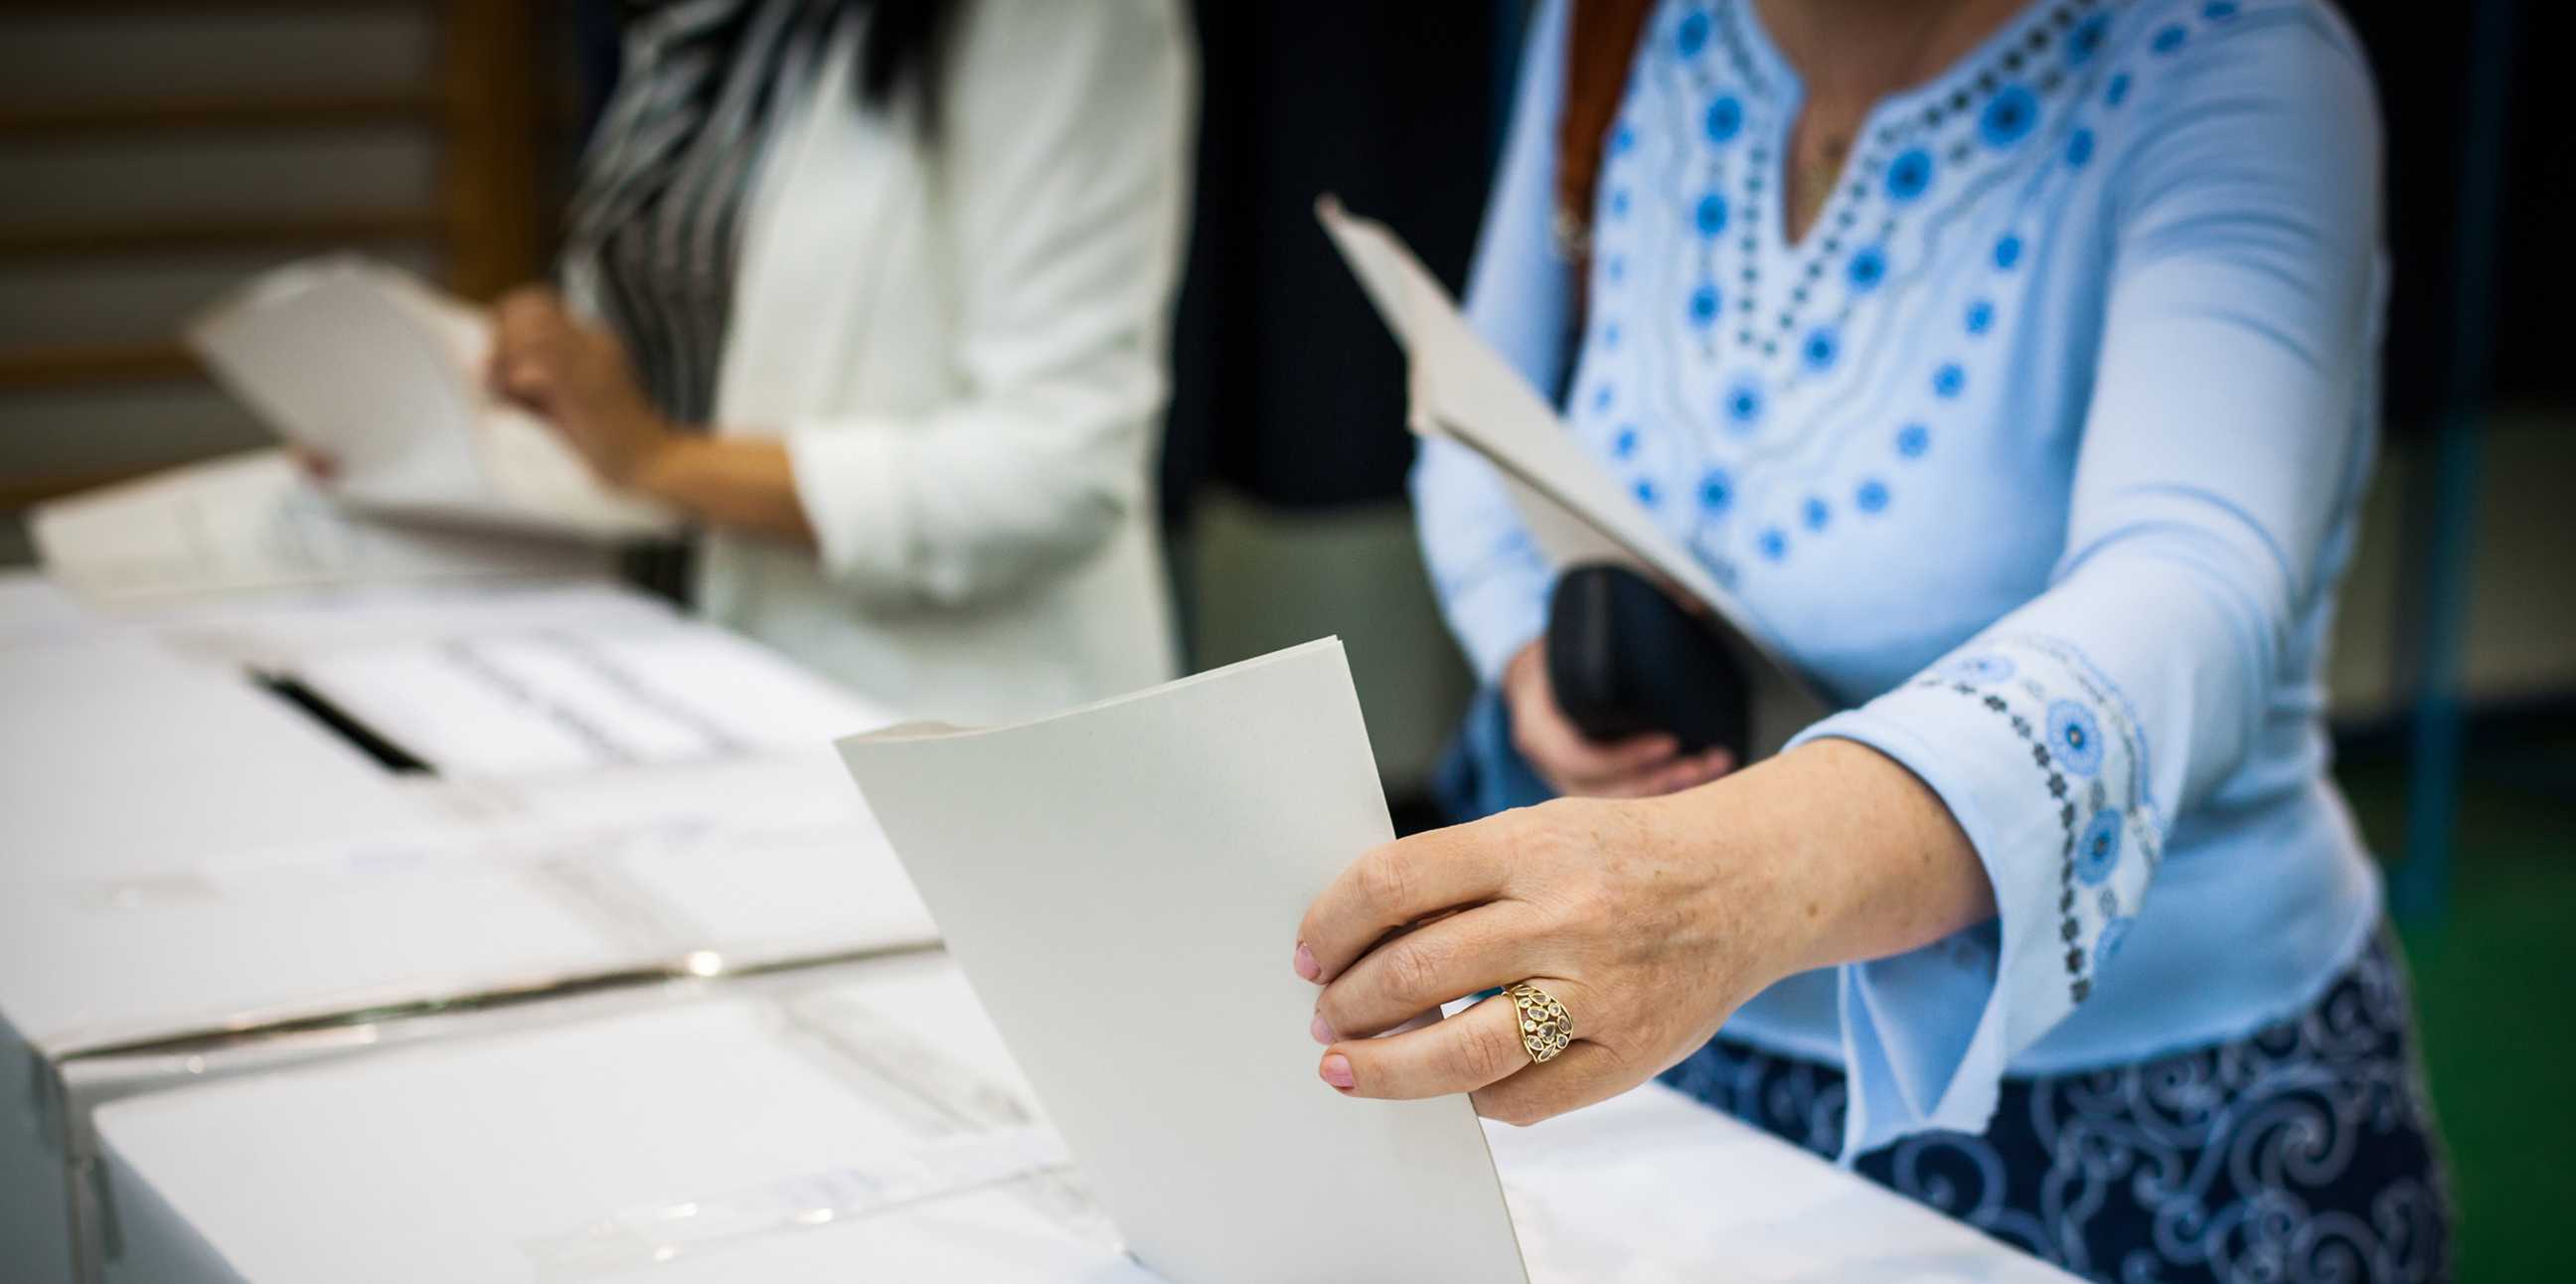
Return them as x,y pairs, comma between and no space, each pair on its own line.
1122,886
252,522
1461,390
366,364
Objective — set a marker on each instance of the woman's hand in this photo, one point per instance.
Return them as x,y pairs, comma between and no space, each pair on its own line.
1579,768
576,376
1650,920
1648,937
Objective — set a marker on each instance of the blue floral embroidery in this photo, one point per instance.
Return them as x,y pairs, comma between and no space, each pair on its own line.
2007,252
2169,39
1646,492
1623,140
1693,34
2009,116
2106,947
1711,214
2079,982
2097,849
2086,40
1816,513
1949,380
1871,497
1912,440
1703,304
1716,490
1624,446
1744,405
1979,668
2118,90
1908,175
2075,736
1725,119
1868,267
1774,543
2079,148
1981,316
1821,348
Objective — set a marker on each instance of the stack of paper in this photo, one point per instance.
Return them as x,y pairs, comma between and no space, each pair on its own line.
367,365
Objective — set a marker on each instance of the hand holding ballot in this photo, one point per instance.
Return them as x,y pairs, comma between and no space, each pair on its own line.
376,381
1650,921
575,375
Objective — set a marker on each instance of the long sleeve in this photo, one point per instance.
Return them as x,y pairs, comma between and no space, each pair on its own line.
2226,438
1063,153
1491,579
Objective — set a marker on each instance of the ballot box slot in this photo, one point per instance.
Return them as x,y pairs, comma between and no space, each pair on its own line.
340,722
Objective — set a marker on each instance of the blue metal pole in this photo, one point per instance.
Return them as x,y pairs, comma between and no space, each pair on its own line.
2422,885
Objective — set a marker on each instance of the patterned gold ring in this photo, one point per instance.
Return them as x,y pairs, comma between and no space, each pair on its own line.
1546,1027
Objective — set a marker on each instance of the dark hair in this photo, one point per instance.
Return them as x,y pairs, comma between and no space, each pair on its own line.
905,52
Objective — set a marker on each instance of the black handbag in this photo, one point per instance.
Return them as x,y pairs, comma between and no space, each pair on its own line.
1626,659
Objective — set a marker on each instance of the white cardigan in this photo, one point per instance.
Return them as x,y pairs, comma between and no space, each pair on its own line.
964,349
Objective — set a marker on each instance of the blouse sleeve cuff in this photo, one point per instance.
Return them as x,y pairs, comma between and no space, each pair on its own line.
850,484
2038,774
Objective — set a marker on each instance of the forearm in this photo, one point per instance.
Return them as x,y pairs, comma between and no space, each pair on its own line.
734,483
1856,858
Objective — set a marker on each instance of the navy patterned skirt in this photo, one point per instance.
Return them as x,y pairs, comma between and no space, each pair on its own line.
2305,1152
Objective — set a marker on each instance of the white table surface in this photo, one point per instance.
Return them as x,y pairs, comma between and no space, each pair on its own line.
733,1138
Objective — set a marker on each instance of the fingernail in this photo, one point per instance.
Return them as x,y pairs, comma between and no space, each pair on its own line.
1307,967
1336,1071
1323,1033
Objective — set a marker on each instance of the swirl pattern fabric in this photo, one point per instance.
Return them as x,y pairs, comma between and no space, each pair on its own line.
2306,1152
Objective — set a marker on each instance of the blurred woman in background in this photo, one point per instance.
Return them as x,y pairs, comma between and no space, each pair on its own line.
875,292
2012,363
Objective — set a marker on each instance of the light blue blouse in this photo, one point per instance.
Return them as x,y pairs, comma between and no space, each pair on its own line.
2041,450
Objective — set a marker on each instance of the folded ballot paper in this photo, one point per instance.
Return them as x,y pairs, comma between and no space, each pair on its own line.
1122,886
370,366
1461,390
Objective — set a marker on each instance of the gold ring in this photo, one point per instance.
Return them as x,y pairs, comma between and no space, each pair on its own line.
1546,1027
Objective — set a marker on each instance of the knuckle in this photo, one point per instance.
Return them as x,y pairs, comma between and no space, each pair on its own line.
1410,972
1386,876
1481,1058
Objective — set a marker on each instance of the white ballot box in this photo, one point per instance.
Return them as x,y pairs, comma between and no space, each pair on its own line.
190,857
120,749
856,1123
549,887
